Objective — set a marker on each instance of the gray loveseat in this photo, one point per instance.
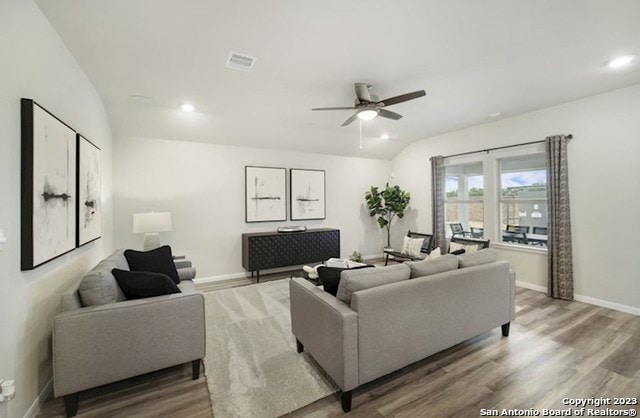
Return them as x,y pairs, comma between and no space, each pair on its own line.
386,318
115,338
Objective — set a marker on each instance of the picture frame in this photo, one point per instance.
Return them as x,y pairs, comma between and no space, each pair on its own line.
48,186
265,194
307,194
88,191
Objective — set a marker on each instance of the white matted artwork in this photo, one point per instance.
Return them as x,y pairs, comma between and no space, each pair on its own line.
307,194
89,195
265,194
48,186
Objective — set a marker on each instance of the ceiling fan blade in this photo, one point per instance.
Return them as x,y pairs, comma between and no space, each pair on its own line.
351,119
334,108
403,98
389,114
362,92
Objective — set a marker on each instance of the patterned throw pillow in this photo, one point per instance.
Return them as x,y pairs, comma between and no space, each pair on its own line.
412,246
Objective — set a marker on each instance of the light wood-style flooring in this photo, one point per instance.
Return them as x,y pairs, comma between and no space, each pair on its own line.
556,349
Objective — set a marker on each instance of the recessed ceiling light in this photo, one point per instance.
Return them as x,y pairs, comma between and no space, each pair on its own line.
139,99
495,114
187,107
384,136
621,61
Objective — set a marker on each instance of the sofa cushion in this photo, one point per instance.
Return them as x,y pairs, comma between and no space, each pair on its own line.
330,277
477,258
144,284
99,286
354,280
428,267
158,260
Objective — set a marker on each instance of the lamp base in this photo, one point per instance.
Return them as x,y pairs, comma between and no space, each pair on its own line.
151,241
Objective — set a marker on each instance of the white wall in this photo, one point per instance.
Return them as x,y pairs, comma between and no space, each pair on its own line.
202,185
37,65
603,175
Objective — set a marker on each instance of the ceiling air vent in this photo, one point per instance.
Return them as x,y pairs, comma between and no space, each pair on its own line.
242,62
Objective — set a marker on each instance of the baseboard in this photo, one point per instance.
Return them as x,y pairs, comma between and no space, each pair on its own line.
587,299
535,287
220,278
606,304
37,403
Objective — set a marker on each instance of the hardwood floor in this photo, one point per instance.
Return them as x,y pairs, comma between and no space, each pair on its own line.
556,350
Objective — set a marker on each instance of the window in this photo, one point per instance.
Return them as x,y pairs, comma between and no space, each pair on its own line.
523,200
464,201
499,195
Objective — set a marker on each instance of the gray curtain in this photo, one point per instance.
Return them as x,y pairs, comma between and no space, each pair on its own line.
437,201
560,255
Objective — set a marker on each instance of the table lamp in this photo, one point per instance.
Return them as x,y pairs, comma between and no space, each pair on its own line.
151,224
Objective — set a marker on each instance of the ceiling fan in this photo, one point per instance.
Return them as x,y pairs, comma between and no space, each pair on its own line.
368,105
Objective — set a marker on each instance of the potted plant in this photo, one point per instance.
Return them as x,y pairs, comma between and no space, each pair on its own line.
386,204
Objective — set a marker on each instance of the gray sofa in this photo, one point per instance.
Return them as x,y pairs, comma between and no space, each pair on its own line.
115,338
386,318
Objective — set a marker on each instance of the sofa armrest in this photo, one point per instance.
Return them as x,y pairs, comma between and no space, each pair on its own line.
186,273
185,269
328,329
97,345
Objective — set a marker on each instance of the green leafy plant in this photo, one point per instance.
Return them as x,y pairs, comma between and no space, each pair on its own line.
386,204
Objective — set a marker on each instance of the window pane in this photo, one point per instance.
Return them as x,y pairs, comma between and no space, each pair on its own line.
523,200
464,181
469,214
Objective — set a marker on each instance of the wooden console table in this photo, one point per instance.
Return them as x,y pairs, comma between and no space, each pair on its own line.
267,250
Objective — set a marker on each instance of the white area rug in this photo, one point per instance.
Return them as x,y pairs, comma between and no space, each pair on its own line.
252,367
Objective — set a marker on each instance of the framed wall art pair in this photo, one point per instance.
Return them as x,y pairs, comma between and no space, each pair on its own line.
61,194
266,194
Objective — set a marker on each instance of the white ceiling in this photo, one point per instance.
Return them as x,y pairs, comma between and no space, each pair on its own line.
473,58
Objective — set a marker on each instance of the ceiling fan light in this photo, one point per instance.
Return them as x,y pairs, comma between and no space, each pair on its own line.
367,114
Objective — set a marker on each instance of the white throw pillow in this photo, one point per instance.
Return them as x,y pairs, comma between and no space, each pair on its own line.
455,246
435,253
412,246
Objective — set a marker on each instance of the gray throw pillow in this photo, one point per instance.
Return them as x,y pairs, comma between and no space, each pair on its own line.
485,256
98,286
428,267
354,280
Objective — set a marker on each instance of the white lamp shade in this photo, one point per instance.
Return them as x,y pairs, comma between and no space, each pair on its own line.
151,222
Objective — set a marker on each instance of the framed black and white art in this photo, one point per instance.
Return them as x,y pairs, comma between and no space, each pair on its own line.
265,194
307,194
48,186
89,197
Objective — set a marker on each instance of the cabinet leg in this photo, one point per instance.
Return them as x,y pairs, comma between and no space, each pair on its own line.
71,404
258,276
299,346
345,398
505,329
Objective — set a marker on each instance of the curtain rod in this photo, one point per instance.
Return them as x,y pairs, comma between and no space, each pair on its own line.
497,148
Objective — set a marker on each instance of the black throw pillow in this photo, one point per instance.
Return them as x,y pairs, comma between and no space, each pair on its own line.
144,284
159,260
